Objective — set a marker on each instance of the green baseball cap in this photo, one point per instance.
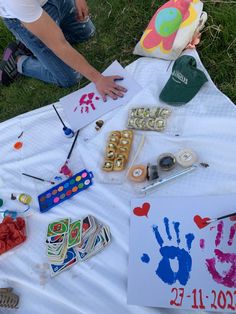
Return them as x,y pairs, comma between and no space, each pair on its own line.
184,83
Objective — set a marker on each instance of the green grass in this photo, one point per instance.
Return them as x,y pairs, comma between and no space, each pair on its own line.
119,26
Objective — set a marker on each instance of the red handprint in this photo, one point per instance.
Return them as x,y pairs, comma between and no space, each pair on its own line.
86,102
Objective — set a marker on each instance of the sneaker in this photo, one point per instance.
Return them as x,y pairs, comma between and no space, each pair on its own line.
10,51
5,79
8,66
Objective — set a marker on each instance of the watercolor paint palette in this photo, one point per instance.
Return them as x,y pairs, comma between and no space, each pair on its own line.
65,190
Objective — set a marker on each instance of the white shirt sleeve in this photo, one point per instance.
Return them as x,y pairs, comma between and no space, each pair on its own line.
24,10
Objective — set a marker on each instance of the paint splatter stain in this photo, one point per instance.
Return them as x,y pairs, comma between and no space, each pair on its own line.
202,243
145,258
18,145
58,178
43,271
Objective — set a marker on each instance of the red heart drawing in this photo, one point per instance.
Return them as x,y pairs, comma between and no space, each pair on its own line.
142,211
201,222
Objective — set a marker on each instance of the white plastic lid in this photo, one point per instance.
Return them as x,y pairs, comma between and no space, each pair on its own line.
186,157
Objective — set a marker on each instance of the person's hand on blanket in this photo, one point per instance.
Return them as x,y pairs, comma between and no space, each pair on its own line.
106,86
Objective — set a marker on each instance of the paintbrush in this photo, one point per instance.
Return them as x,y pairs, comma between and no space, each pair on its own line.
219,218
37,178
65,169
136,154
169,178
67,131
72,147
59,116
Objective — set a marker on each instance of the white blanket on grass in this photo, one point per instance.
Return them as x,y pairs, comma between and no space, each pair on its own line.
207,124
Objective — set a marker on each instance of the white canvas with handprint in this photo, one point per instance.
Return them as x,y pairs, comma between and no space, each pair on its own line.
86,105
176,260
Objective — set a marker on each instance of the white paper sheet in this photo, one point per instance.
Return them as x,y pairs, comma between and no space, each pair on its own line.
86,105
175,263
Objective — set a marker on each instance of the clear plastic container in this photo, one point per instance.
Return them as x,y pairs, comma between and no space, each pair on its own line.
12,239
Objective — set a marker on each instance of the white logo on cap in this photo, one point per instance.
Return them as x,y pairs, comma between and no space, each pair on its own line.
180,77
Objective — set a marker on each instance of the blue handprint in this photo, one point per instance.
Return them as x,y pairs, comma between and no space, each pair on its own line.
164,270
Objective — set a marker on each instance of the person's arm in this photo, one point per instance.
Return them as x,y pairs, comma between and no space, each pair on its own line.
51,35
